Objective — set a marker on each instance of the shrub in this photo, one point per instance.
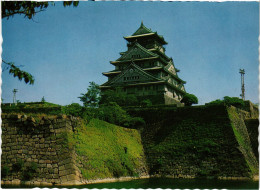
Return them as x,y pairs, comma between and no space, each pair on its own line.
18,166
234,101
119,97
146,102
133,122
5,171
73,109
189,99
113,113
33,167
228,101
29,172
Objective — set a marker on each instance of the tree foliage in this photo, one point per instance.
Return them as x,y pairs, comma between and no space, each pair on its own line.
17,72
189,99
228,101
92,97
28,8
73,109
116,95
43,100
115,114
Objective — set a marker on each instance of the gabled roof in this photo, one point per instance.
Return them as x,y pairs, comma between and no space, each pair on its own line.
127,70
137,52
158,52
142,30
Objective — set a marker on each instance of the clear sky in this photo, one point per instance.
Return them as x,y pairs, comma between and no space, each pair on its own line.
66,48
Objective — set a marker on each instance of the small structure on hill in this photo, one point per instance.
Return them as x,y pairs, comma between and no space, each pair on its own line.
145,70
242,72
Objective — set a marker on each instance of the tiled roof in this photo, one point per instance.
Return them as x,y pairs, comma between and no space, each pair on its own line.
137,52
142,30
132,65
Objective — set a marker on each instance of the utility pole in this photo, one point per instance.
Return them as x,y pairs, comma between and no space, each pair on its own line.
242,72
14,97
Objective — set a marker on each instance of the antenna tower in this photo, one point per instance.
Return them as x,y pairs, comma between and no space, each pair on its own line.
14,97
242,72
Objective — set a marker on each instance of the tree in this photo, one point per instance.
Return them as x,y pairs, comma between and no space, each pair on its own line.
121,98
234,101
73,109
115,114
92,97
228,101
17,72
189,99
146,102
43,99
28,9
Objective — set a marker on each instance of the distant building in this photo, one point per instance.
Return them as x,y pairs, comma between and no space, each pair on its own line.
145,71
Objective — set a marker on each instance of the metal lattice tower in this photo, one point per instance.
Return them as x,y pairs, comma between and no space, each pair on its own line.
14,97
242,72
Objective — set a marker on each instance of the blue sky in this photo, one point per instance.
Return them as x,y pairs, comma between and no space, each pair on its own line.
66,48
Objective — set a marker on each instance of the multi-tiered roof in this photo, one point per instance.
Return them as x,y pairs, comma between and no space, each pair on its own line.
145,64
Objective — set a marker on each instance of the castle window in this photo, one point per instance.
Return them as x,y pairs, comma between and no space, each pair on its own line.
136,56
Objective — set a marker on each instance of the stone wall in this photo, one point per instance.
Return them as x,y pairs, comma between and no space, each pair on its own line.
200,141
186,142
252,128
169,100
64,150
35,150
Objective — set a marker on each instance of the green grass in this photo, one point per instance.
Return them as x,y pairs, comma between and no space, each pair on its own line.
107,150
243,140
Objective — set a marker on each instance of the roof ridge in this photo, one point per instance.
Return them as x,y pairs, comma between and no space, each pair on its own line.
142,29
146,50
126,69
136,44
140,69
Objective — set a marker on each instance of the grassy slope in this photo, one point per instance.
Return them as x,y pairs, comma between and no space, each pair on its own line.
107,150
241,133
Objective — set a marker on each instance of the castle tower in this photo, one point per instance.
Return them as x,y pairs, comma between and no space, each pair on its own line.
145,70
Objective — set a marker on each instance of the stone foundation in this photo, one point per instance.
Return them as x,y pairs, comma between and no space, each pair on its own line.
41,142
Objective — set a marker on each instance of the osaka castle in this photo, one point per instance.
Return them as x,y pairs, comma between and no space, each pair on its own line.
145,71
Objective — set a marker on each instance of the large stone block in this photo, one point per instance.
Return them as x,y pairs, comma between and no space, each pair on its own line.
72,177
63,179
16,182
63,172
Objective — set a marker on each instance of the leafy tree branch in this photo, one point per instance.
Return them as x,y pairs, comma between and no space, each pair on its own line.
28,8
92,97
17,72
